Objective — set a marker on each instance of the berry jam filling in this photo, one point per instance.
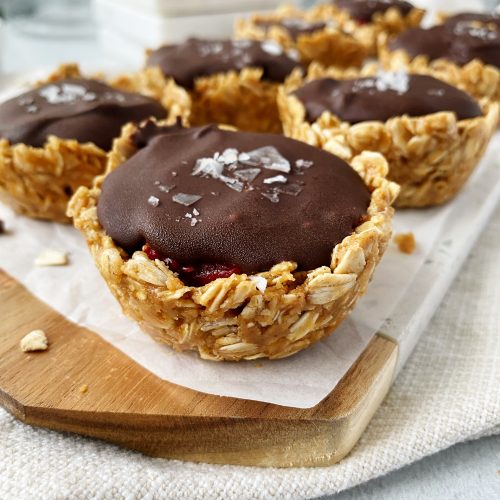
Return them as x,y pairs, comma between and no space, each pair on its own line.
194,274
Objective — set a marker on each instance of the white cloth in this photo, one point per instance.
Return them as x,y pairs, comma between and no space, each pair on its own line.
448,392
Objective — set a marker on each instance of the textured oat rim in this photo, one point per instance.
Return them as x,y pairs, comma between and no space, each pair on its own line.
475,77
329,120
33,180
311,46
391,21
326,290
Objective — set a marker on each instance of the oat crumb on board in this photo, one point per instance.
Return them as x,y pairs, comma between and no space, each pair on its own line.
84,388
405,242
51,258
34,341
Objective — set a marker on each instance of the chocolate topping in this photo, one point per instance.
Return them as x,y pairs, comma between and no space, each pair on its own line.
474,17
383,97
195,58
205,195
85,110
460,43
295,27
363,10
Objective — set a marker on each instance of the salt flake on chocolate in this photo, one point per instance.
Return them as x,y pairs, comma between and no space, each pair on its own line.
164,188
63,93
277,178
186,199
208,167
290,189
271,47
234,184
268,157
247,174
398,81
272,195
304,163
153,201
229,156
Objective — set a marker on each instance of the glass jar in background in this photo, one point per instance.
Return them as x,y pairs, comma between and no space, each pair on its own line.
49,18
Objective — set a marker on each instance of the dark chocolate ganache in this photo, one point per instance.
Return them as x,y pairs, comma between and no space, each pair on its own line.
460,43
295,27
474,17
363,10
81,109
384,96
240,199
196,58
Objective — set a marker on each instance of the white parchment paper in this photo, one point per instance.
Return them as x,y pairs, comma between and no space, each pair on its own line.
78,292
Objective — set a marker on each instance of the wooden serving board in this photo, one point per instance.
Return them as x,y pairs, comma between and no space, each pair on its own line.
125,404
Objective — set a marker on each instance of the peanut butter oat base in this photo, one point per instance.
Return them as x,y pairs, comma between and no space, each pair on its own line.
38,182
230,318
430,157
329,46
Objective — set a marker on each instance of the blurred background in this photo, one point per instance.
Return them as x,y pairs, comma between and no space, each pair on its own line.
97,33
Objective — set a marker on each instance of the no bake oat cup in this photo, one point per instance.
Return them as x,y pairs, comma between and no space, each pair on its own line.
234,82
323,41
432,134
366,20
242,245
54,139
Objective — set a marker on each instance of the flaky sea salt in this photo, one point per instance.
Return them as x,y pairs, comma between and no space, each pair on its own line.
273,196
242,157
62,93
268,157
153,201
186,199
164,188
436,92
481,32
300,163
247,174
229,156
277,178
210,48
89,97
271,47
208,167
290,189
398,81
234,184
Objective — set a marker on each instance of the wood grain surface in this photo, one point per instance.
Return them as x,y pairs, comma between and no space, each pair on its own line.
82,384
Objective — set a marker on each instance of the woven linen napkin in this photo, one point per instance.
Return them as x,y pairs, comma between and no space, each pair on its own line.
448,392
